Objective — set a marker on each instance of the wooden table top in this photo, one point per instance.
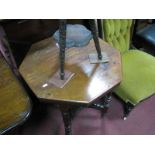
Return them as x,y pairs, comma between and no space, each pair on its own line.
90,81
14,102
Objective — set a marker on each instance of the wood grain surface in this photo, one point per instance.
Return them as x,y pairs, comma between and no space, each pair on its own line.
14,102
90,81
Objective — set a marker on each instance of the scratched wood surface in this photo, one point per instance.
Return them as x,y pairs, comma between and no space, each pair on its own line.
89,82
14,102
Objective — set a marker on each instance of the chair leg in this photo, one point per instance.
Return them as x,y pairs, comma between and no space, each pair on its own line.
127,109
62,44
95,37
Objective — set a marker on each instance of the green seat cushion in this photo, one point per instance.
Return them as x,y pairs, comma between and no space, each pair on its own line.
138,76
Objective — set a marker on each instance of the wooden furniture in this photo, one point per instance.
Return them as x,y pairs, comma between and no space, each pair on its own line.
138,81
90,82
15,106
30,31
62,43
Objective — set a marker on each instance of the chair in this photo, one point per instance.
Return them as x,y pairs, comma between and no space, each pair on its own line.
138,67
15,105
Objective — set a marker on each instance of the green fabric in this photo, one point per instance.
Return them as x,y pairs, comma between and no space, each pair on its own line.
117,33
138,77
138,67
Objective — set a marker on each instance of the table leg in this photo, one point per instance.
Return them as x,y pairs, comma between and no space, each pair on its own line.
106,102
103,104
62,44
67,121
68,114
95,37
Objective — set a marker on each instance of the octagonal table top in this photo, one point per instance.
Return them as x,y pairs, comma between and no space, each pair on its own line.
90,81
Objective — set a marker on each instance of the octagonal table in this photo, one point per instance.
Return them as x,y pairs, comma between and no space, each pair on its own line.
89,83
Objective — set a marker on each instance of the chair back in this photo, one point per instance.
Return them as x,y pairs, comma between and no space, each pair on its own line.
117,33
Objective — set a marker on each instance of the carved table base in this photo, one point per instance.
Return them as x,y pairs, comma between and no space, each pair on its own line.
67,121
103,105
69,113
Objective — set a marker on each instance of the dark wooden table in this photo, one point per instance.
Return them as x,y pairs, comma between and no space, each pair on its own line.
15,105
90,82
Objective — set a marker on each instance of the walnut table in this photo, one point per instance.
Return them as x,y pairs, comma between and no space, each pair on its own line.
89,83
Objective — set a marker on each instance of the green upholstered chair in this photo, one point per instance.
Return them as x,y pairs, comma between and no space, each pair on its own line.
138,67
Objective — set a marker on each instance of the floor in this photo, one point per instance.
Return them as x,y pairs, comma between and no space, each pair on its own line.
46,120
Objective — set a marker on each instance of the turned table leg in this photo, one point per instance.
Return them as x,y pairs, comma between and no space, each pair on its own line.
106,102
62,44
68,114
95,37
67,121
102,104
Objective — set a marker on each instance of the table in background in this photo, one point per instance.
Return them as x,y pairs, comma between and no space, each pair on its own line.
15,105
